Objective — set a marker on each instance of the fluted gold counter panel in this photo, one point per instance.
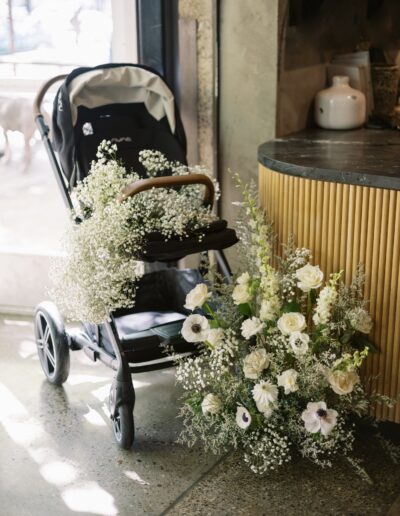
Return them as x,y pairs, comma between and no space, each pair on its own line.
344,225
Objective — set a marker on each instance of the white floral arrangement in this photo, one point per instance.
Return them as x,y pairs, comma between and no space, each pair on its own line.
280,352
100,268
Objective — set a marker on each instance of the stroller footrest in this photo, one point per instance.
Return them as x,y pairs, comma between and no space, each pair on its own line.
165,332
215,237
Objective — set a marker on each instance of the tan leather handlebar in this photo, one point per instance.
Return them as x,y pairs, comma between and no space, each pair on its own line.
167,181
37,103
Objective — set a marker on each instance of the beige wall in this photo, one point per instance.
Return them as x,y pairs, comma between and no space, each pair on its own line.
247,89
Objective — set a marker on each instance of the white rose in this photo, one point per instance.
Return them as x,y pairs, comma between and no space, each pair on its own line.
215,336
195,328
269,309
265,395
254,363
197,297
360,320
243,417
243,279
288,380
309,277
342,382
291,322
251,327
299,343
241,294
211,404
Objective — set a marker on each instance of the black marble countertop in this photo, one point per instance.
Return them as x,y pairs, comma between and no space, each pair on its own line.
367,157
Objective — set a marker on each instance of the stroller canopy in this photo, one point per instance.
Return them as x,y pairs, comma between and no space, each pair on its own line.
130,105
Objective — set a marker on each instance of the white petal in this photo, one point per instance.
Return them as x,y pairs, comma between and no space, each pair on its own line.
312,425
328,422
314,406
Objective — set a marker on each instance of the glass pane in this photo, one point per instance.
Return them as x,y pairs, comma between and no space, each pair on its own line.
38,40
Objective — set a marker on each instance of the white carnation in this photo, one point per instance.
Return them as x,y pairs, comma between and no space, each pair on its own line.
251,327
254,363
288,380
197,297
309,277
212,404
215,336
360,320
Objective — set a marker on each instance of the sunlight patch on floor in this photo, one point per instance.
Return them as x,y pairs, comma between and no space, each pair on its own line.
93,417
89,497
27,348
27,432
136,478
102,393
59,473
76,379
16,322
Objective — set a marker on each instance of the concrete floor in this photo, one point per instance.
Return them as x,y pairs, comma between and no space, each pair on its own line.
58,457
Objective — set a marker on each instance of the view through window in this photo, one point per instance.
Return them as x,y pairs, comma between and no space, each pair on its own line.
38,40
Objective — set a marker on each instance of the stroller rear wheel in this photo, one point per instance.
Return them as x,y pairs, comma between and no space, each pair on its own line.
123,426
52,343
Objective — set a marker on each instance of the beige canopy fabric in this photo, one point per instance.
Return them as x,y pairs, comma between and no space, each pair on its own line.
122,84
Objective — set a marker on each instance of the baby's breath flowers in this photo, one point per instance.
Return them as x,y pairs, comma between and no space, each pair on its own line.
101,266
278,368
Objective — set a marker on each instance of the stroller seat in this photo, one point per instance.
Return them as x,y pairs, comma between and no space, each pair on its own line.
156,320
144,336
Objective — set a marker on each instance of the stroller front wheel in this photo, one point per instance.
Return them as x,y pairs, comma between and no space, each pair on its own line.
52,343
123,426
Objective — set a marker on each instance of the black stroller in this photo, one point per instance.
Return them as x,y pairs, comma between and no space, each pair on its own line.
132,106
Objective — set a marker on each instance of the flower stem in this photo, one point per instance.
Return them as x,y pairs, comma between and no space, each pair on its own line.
209,310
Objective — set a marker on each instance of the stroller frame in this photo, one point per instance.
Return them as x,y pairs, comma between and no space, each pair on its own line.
53,340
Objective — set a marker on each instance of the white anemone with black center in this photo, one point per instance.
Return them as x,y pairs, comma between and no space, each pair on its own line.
318,418
195,328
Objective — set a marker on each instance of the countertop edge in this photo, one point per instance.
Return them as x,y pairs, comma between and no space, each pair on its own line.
349,177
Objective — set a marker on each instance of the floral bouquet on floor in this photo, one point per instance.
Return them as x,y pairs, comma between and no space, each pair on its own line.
280,353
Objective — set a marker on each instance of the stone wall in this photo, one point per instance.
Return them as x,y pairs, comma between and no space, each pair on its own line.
247,89
203,13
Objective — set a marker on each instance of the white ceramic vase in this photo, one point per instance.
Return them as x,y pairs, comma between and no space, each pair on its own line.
340,106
